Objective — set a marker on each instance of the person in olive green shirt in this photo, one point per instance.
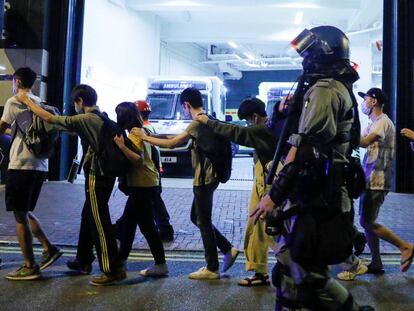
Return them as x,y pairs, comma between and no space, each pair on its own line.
142,181
263,139
96,227
204,185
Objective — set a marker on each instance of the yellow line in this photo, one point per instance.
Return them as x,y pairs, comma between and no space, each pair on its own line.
95,211
148,257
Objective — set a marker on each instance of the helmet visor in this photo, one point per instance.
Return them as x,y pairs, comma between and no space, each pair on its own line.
308,43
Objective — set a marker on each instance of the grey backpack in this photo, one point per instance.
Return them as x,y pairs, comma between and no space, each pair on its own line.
39,136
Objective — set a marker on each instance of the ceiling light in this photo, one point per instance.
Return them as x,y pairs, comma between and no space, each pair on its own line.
297,5
233,44
182,3
252,65
298,17
249,55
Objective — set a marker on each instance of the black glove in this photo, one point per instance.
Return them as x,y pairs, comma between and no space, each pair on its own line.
284,183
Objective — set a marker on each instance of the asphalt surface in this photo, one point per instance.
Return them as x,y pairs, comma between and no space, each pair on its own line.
59,209
59,289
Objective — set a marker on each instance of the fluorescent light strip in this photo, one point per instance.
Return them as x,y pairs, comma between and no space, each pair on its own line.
233,44
182,3
249,56
297,5
252,65
298,17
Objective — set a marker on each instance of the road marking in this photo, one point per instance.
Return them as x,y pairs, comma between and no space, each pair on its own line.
176,256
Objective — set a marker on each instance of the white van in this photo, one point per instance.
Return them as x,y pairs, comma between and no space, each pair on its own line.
168,117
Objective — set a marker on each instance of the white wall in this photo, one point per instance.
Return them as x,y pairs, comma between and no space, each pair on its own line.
184,59
362,55
120,51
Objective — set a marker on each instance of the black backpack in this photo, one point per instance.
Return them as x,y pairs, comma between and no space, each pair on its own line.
39,136
111,159
218,152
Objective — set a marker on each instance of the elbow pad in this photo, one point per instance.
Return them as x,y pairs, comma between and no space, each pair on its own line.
283,185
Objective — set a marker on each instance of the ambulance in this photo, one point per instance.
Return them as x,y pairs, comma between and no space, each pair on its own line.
168,117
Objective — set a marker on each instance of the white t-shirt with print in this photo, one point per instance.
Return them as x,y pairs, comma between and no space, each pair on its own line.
21,158
378,161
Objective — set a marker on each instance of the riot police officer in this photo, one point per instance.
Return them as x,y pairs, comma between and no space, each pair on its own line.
311,191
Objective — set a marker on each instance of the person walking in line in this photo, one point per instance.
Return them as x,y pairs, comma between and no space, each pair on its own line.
161,216
204,184
96,227
142,184
263,139
379,140
26,174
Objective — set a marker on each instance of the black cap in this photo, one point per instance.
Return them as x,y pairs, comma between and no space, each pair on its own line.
376,93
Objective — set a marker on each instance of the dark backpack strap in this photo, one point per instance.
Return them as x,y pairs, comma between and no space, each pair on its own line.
105,120
202,160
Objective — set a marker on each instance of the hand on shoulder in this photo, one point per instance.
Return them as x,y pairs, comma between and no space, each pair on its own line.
202,118
138,132
22,96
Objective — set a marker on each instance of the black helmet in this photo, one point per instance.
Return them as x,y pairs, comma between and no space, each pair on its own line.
323,44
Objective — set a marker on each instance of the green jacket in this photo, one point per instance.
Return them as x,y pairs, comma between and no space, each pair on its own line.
259,137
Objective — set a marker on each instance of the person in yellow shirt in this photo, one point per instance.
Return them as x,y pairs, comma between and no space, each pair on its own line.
142,182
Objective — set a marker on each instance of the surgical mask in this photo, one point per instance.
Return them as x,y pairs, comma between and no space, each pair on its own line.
365,108
79,109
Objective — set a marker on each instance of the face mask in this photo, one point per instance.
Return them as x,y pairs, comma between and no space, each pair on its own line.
78,109
365,108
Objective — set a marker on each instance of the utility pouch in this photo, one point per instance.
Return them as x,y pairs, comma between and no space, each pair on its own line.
321,244
355,178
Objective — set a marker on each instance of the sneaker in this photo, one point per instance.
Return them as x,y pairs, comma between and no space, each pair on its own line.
75,265
108,279
50,257
155,270
229,259
204,274
24,273
349,275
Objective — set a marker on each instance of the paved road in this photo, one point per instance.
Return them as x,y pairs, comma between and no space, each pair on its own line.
60,290
60,206
59,210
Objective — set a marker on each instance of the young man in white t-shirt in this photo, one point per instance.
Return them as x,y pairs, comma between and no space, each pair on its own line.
379,140
26,174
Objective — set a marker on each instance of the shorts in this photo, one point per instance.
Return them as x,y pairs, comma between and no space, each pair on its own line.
22,189
370,203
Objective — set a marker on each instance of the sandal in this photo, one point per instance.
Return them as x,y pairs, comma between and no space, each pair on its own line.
406,263
255,280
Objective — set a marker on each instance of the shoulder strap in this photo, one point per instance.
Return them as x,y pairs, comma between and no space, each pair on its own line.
202,160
